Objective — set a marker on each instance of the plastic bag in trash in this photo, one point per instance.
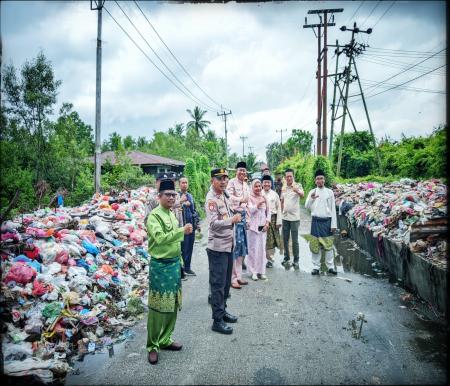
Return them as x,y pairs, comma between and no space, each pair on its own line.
20,273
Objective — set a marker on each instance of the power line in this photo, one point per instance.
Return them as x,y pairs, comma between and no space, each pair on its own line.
354,13
173,55
400,65
414,65
145,54
387,10
162,62
370,14
398,50
408,81
368,82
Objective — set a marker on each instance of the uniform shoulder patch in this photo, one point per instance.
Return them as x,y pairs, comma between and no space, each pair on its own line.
212,205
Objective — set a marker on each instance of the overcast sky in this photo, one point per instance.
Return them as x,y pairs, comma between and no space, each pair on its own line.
255,59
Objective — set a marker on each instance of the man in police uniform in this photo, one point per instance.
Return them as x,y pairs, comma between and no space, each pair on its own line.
220,246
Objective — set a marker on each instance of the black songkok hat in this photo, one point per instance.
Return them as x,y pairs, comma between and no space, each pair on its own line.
319,172
266,178
219,172
166,184
241,164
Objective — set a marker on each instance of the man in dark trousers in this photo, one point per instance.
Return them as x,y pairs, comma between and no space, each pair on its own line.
220,246
189,216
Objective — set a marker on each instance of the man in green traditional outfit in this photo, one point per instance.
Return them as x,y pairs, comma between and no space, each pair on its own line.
164,295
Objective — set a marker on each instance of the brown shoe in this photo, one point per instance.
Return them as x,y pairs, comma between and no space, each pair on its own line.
236,285
153,357
242,282
175,346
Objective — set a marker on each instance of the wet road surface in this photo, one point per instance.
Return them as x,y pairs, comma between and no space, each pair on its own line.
292,329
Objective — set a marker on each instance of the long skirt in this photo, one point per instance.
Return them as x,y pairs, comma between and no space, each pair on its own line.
164,301
256,259
273,234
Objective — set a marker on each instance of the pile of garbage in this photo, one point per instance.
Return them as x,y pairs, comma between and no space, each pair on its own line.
395,209
73,280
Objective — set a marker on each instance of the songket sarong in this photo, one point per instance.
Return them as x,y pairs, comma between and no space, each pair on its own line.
321,235
164,300
273,234
240,238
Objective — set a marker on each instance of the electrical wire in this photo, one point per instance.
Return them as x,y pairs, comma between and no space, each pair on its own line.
370,14
354,13
414,65
418,89
401,84
387,10
400,65
148,58
163,63
175,58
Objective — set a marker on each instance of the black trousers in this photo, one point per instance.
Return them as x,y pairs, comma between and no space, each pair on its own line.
220,267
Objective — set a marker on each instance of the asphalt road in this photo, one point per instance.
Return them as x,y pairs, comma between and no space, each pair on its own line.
292,329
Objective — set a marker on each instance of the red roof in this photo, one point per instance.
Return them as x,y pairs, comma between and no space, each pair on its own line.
140,158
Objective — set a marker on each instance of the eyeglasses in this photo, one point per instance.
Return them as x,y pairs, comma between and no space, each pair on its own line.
170,194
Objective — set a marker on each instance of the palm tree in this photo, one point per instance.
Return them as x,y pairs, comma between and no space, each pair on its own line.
197,123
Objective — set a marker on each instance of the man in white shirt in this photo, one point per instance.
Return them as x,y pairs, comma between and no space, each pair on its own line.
321,203
273,233
290,206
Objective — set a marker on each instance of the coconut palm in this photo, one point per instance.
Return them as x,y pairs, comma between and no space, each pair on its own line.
198,124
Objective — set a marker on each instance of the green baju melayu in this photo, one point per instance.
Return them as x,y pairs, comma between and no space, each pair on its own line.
164,294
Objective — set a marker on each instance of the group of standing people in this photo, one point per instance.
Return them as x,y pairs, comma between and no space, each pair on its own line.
243,223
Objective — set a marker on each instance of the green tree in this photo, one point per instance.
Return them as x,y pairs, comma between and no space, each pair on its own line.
299,141
28,101
197,122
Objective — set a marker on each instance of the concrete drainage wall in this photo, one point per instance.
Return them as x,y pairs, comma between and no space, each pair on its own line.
417,274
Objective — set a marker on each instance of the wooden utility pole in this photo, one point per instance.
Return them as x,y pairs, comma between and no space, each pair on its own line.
98,95
322,89
224,115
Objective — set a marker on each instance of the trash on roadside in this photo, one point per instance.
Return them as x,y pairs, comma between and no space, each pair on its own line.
73,280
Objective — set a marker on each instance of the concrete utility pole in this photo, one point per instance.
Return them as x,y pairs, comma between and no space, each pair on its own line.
251,149
321,121
281,134
98,95
243,142
224,116
333,106
352,50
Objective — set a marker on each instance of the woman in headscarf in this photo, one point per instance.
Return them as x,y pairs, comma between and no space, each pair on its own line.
257,231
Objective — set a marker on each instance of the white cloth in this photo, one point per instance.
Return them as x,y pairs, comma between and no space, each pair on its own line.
322,206
291,203
329,259
274,204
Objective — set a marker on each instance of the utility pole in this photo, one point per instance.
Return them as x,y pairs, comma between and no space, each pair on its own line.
352,50
377,152
251,149
322,89
333,106
243,142
281,134
224,116
98,95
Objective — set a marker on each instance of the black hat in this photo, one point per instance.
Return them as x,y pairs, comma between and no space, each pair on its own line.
166,184
241,164
266,178
319,172
219,172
